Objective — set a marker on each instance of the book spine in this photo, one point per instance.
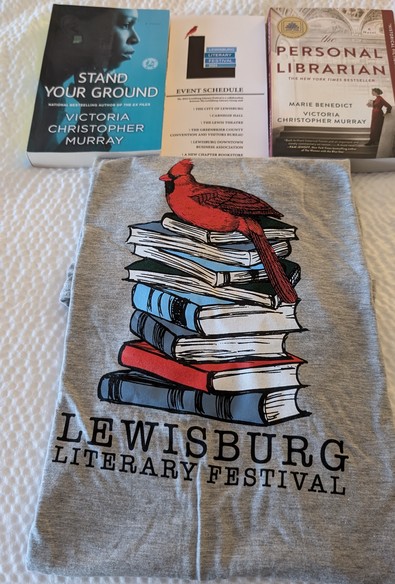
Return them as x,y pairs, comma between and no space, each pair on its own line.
173,308
247,408
153,332
388,26
174,371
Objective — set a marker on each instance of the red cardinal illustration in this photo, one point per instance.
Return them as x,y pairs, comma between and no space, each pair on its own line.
191,31
226,209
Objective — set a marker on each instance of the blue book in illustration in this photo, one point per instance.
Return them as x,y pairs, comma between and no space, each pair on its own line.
210,315
261,408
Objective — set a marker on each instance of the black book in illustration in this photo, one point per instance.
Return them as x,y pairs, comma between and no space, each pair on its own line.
212,272
158,274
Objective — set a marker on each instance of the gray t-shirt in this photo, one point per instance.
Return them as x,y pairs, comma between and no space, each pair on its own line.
206,427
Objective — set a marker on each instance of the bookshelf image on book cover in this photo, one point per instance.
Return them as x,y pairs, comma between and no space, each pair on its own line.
204,341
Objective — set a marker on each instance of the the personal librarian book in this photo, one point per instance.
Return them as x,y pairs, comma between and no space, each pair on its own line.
332,84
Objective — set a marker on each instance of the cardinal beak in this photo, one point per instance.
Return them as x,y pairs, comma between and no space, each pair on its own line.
165,177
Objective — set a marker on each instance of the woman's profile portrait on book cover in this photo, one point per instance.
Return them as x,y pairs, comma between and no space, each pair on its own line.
101,85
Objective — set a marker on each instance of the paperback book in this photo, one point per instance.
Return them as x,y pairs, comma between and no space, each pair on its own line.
101,86
332,84
216,87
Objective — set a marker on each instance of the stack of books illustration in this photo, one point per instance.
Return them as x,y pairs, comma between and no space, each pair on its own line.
209,330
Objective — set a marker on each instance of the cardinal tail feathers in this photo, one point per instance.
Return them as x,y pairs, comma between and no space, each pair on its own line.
274,269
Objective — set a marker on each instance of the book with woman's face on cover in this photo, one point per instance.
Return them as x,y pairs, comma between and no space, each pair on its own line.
101,86
332,80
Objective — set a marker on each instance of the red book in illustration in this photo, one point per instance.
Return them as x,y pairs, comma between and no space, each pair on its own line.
239,376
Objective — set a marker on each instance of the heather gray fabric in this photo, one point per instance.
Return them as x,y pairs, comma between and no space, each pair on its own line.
143,492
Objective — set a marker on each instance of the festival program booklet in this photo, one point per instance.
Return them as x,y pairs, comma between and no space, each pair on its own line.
216,88
332,84
101,87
